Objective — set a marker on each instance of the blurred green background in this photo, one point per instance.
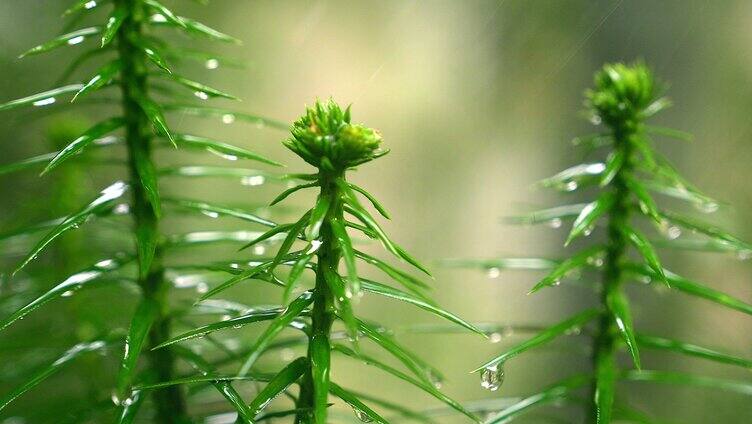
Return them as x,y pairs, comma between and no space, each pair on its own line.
477,100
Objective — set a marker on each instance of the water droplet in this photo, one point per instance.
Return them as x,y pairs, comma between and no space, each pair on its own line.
67,293
708,207
212,64
228,118
492,377
556,283
202,288
253,180
201,95
595,120
76,40
596,261
225,317
362,416
158,17
494,337
44,102
493,272
554,223
644,279
210,214
121,209
673,232
573,331
236,326
570,186
744,254
259,249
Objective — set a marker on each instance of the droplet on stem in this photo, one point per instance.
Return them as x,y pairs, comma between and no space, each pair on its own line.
492,377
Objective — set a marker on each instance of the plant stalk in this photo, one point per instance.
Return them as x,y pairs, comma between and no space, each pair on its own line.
169,402
314,395
607,336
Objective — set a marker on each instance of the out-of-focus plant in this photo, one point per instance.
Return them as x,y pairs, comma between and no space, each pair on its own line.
325,138
137,63
623,99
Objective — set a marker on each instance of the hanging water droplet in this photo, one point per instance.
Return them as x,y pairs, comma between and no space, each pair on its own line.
362,416
708,207
587,231
492,377
494,337
570,186
225,317
259,249
210,214
202,288
212,64
121,209
228,118
158,17
556,283
493,272
236,326
596,261
67,293
595,120
644,279
44,102
673,232
253,180
201,95
554,223
90,4
573,331
76,40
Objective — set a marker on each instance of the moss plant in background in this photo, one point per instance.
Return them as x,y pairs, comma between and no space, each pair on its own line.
137,65
623,99
326,139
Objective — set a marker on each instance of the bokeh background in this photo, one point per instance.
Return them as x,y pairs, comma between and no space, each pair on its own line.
477,100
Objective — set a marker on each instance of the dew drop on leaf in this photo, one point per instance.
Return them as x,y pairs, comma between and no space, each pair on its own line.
201,95
253,180
362,416
554,223
228,118
493,272
570,186
492,377
259,249
494,337
212,64
673,232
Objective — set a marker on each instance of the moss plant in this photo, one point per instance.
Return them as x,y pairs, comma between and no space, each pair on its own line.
623,99
138,66
326,139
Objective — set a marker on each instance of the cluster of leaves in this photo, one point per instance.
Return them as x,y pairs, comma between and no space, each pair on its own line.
624,97
326,242
139,62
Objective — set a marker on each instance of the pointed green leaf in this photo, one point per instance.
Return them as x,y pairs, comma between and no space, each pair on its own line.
71,284
356,404
502,264
114,21
293,310
41,99
551,216
284,379
669,132
290,191
619,307
80,5
255,315
296,271
227,116
77,145
165,12
196,28
428,388
707,229
26,163
103,76
154,113
367,195
46,372
152,53
575,177
696,289
646,250
417,366
677,346
579,260
613,166
222,149
279,229
69,39
646,203
348,254
146,244
682,193
543,337
246,176
318,214
145,315
106,199
589,215
255,271
551,394
408,281
384,290
201,91
682,379
218,209
287,243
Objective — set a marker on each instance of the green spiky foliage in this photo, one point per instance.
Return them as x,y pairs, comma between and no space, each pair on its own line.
631,173
137,64
326,138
